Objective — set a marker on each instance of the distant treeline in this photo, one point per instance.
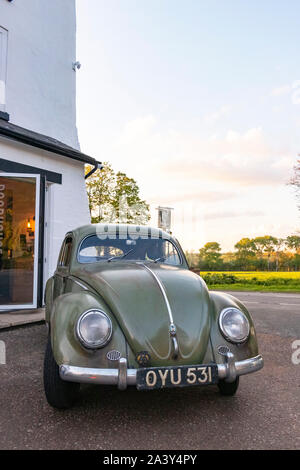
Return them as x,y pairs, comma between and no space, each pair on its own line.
266,253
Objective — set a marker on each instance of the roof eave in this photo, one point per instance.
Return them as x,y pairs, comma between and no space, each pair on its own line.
42,142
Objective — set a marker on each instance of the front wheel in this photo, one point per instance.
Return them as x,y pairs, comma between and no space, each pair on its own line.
59,394
228,389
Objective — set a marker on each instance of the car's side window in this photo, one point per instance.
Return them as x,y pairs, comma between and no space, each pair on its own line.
65,253
170,253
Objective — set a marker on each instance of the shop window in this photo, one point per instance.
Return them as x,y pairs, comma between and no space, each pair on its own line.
19,213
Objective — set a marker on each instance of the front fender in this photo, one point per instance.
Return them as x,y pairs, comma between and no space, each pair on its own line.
66,348
243,351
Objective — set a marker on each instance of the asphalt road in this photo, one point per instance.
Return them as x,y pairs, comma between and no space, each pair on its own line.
277,313
265,414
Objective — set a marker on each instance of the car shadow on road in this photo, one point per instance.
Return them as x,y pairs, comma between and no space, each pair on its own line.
153,404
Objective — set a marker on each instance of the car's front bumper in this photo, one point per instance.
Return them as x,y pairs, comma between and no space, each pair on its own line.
122,376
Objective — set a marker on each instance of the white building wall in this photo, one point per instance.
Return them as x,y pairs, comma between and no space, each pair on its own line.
41,96
41,84
67,203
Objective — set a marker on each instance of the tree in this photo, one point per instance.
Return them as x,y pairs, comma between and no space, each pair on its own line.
286,260
293,242
267,245
228,261
245,253
278,251
295,181
100,189
210,255
114,198
129,207
192,259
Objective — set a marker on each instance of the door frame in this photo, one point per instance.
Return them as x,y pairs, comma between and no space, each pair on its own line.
38,241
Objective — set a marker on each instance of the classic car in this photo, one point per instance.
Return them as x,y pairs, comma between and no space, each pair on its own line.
124,309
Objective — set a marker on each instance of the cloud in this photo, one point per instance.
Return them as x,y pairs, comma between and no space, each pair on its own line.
242,159
233,214
198,195
217,115
138,129
282,90
219,185
180,166
293,90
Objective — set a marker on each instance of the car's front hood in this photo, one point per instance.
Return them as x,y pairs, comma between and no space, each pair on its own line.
134,294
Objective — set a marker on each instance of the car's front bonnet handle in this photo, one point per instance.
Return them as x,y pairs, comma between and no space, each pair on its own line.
122,376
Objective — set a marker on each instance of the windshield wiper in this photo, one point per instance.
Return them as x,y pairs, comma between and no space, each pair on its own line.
120,257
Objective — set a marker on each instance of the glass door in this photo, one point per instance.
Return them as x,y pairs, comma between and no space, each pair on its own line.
19,234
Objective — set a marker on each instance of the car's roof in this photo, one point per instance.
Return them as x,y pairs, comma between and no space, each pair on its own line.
116,229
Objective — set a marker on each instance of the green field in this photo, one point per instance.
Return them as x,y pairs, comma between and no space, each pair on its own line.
258,274
253,280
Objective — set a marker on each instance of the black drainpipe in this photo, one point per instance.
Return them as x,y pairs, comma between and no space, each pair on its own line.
98,166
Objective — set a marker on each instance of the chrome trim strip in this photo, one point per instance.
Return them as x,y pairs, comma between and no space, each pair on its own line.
72,278
163,291
172,328
119,378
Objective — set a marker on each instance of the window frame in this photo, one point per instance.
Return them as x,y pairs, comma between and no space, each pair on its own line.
61,265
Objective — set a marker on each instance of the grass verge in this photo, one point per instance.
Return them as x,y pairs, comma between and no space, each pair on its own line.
253,288
253,281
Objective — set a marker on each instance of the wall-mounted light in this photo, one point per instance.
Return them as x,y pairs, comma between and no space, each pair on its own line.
76,66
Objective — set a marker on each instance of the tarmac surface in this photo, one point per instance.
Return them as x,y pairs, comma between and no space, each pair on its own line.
265,413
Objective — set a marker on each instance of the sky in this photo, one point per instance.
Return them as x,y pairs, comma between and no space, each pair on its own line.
199,101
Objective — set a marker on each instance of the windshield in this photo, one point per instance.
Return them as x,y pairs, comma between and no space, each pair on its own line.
159,250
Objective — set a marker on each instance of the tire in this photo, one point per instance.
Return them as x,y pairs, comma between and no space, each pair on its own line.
228,389
59,394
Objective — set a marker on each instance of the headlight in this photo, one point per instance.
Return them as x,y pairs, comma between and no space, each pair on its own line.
234,325
94,329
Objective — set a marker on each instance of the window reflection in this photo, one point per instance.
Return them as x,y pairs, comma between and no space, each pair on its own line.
17,240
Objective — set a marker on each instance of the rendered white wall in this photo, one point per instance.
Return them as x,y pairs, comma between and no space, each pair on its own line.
68,204
41,84
3,60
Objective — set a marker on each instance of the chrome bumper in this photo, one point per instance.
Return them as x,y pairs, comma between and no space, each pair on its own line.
122,376
230,370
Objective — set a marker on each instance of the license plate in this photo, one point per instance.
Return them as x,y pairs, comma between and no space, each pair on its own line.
181,376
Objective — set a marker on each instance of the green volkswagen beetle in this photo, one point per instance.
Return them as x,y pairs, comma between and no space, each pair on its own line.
124,309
